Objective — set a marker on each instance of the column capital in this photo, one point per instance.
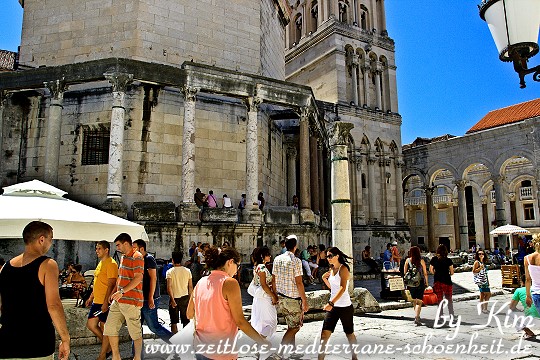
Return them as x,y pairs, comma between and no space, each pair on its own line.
498,179
119,80
56,88
461,184
483,199
189,92
253,103
428,190
511,196
306,112
339,133
292,152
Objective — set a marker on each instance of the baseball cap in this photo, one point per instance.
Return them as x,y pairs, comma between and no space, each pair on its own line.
292,236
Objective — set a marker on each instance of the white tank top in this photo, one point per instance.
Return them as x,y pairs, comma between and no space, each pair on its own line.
534,272
335,282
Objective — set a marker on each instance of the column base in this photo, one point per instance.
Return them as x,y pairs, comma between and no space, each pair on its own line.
307,216
252,216
115,206
188,212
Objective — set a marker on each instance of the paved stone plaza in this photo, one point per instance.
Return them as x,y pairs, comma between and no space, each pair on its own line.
391,334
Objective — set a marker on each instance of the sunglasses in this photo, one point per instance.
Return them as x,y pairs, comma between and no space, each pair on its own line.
329,256
480,254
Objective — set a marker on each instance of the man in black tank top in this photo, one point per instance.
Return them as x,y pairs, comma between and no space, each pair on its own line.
30,302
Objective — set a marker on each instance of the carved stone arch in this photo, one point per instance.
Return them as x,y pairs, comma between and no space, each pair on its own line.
361,55
379,147
466,165
515,183
296,29
506,157
365,145
476,186
372,57
440,166
487,187
345,11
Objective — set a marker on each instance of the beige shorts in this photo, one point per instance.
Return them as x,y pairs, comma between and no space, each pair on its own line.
118,312
291,309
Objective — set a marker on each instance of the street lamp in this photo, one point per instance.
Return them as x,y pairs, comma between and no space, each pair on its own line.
514,26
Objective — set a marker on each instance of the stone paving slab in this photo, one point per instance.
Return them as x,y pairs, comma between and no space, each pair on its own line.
392,334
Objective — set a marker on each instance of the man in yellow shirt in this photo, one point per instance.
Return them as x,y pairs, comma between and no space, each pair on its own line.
105,277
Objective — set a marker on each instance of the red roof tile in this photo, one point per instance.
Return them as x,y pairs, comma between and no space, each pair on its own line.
508,115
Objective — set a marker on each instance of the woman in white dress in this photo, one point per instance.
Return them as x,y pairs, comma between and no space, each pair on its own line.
340,306
263,311
532,274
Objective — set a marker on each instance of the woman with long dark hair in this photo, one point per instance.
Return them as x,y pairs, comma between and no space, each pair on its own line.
480,273
263,310
417,292
217,305
340,306
443,268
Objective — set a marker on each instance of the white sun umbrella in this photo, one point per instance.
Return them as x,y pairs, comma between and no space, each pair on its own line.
36,200
509,230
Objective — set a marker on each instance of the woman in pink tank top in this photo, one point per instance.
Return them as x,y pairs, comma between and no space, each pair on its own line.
217,306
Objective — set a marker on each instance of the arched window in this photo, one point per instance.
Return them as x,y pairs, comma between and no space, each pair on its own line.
343,11
314,11
297,29
364,18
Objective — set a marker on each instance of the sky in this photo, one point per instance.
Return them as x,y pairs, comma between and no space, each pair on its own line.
448,71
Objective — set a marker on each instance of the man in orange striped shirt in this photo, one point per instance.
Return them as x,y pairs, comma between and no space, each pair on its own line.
127,299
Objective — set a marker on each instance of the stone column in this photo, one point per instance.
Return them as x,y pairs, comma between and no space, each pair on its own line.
378,93
359,201
321,178
304,21
54,134
319,13
355,12
383,17
114,204
366,86
500,213
399,191
463,243
428,190
3,103
314,173
336,9
371,189
291,173
187,210
374,15
354,66
306,214
362,86
251,213
340,192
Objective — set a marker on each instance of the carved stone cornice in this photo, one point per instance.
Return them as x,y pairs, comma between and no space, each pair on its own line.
189,92
339,133
119,80
56,88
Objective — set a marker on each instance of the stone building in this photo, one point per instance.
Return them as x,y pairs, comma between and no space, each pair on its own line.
130,105
458,189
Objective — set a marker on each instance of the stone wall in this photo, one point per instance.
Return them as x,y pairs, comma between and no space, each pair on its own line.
241,35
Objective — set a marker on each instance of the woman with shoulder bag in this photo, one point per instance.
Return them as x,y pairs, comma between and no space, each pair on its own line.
417,292
443,269
481,279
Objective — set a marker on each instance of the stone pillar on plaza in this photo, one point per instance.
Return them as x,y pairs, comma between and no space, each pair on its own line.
187,210
306,214
114,203
54,123
291,173
399,191
340,191
462,210
252,214
431,244
500,214
321,178
372,200
314,174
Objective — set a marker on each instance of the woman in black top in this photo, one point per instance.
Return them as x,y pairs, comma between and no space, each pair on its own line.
443,268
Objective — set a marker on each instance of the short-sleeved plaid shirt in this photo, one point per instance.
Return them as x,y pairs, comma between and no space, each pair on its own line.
285,268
